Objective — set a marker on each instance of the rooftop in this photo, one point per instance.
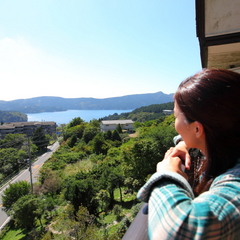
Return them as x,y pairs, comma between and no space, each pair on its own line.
22,124
126,121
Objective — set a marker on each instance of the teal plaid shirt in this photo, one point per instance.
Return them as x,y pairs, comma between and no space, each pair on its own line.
174,213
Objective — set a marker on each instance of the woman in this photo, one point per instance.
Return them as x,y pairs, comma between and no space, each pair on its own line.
207,111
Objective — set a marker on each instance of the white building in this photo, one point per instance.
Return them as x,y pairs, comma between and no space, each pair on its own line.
112,124
168,112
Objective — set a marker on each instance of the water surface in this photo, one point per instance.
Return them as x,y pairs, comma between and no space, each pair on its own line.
65,117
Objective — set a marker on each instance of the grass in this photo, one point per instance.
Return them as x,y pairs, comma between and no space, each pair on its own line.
15,234
83,165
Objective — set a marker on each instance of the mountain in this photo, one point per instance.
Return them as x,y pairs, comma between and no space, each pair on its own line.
52,104
142,114
6,116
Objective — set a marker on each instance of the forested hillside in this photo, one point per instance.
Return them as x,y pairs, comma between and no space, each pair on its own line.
142,114
87,189
6,116
52,104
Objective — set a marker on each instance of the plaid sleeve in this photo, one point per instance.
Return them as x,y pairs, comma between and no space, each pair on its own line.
145,191
175,214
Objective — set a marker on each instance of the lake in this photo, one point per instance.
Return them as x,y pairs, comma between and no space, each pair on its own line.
65,117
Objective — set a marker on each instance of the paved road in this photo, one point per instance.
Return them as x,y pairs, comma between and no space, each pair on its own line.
25,175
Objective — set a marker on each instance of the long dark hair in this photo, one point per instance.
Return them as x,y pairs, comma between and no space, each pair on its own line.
212,97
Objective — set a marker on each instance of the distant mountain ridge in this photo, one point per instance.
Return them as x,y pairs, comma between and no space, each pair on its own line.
53,104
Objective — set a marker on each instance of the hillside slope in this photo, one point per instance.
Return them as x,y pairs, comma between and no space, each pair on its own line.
52,104
6,116
145,113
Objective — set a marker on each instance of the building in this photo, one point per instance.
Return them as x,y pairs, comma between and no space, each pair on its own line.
168,112
112,124
27,128
218,31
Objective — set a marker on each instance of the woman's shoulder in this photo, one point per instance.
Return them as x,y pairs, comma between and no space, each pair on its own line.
230,177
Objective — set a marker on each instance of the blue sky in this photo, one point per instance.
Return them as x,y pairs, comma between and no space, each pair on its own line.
95,48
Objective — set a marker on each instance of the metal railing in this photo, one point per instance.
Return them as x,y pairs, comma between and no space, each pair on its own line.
138,228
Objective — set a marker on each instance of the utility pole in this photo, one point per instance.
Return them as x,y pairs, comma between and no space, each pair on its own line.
30,165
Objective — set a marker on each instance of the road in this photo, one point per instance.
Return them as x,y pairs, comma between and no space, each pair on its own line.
25,175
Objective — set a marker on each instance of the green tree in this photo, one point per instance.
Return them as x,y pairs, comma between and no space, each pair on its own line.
13,141
108,135
118,211
89,133
85,228
141,155
81,192
9,161
109,177
95,123
140,159
40,139
79,226
72,141
27,210
119,128
116,136
45,173
104,200
13,193
52,185
75,121
115,180
75,130
99,144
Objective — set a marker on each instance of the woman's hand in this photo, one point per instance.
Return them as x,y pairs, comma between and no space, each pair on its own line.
173,164
181,151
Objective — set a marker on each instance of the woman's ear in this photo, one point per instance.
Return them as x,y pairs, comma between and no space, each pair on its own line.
199,129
